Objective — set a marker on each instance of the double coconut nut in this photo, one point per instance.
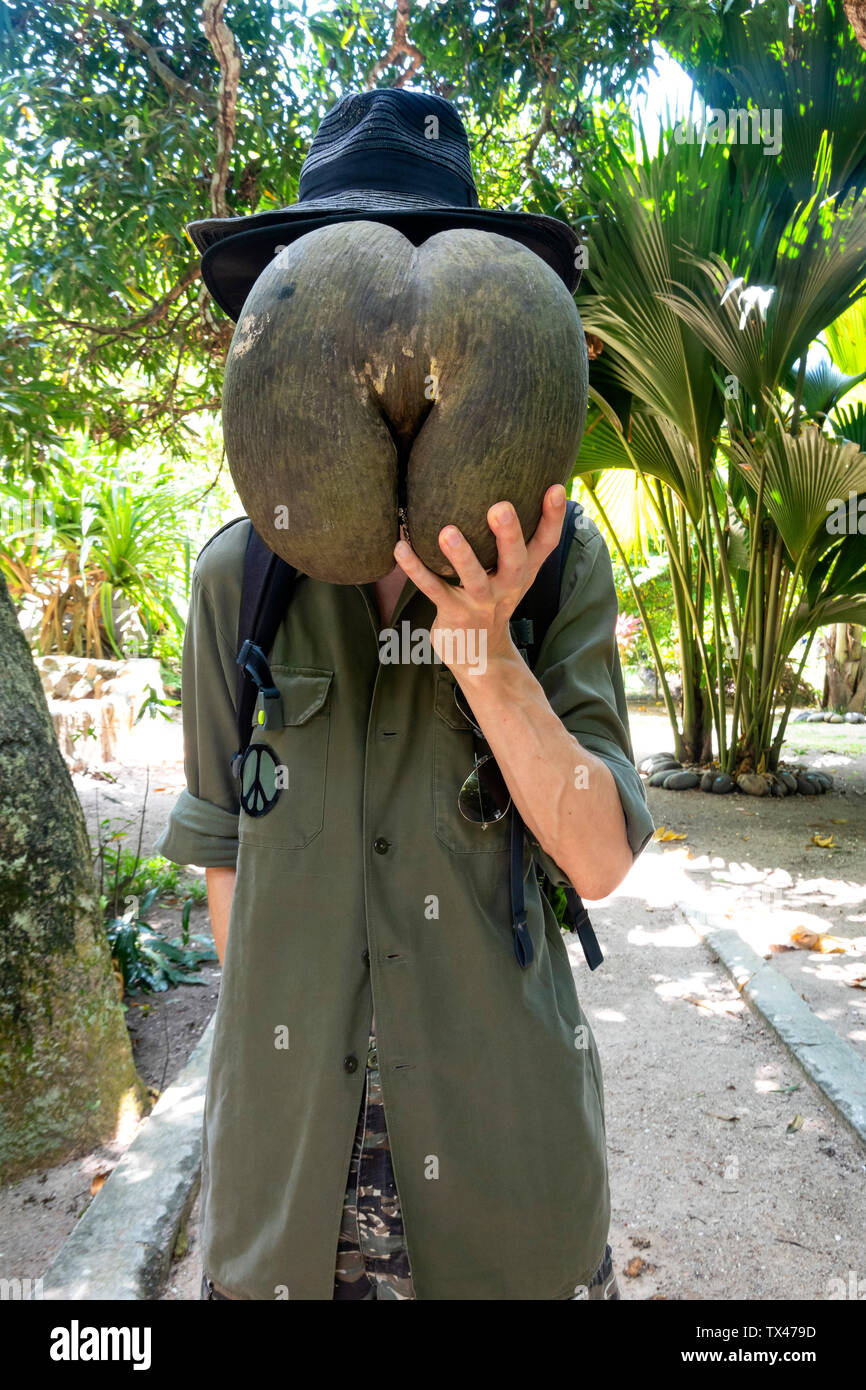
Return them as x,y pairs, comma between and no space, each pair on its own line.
369,380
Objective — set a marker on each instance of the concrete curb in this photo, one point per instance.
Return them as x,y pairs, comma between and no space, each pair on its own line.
122,1246
827,1059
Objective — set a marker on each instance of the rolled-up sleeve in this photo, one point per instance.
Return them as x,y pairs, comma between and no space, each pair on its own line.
203,826
579,670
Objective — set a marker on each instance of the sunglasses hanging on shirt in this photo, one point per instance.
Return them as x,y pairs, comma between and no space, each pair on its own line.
484,797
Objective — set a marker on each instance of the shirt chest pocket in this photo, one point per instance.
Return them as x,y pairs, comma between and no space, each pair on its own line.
295,772
454,753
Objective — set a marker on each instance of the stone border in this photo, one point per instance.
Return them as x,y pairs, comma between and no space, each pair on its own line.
122,1246
827,1059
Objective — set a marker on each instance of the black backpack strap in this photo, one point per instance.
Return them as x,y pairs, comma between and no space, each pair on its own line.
522,940
265,592
576,918
540,604
529,624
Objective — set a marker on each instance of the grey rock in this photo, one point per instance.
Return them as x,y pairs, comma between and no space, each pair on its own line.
778,789
823,778
808,786
681,781
657,779
835,719
816,718
652,763
801,717
789,779
753,784
854,717
723,782
707,781
659,763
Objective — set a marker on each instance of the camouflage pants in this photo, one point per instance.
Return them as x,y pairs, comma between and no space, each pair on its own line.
372,1261
371,1254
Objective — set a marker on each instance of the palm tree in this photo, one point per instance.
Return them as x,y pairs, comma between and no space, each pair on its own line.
712,271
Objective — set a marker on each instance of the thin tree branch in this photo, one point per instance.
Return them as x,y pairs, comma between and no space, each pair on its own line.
136,40
227,53
399,44
157,311
543,127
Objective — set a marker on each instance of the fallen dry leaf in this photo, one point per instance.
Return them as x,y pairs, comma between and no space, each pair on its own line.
777,948
97,1181
663,834
636,1267
822,942
839,820
699,1003
796,1123
823,841
730,1118
858,983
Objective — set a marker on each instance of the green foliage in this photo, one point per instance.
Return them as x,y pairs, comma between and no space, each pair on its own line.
126,874
107,148
129,888
712,270
653,582
146,960
98,557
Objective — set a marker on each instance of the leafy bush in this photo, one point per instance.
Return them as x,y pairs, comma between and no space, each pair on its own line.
146,960
129,887
98,556
654,582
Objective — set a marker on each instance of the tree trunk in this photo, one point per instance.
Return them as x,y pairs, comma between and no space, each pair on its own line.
856,12
845,669
697,726
66,1067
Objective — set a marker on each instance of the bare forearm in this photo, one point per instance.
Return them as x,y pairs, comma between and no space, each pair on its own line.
566,794
220,890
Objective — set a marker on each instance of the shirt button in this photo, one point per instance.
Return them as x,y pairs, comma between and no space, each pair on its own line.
365,956
380,845
350,1063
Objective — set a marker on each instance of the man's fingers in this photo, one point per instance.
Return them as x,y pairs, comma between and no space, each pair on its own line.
429,583
549,529
510,546
460,554
515,557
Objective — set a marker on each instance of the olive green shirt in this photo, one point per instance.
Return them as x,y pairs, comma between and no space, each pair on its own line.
364,883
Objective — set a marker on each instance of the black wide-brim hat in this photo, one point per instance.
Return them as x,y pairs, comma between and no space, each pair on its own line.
387,155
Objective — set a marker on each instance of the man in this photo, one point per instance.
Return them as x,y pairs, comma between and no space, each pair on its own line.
395,1108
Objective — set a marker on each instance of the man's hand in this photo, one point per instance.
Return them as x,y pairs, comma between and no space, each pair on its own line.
471,625
559,787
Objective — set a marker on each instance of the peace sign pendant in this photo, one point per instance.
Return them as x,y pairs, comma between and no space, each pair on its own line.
258,778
